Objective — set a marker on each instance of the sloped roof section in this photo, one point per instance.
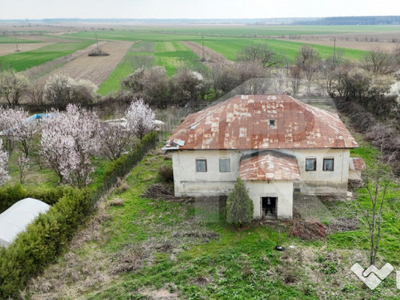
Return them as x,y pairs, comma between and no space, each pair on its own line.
357,164
16,218
261,122
269,166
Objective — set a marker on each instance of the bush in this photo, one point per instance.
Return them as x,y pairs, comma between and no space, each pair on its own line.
166,174
239,206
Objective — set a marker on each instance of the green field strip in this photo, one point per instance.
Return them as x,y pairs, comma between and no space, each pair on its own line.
213,32
26,60
229,48
174,55
126,66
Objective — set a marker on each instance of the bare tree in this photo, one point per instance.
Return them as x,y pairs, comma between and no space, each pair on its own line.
186,85
23,167
115,140
61,90
378,62
260,53
150,84
308,60
13,86
376,183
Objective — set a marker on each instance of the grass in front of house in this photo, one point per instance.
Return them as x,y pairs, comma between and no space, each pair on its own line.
150,246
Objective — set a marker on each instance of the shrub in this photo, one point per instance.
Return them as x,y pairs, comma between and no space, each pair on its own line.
239,206
166,174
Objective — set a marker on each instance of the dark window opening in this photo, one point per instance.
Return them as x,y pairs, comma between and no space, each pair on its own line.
311,164
268,205
224,165
328,164
201,165
271,122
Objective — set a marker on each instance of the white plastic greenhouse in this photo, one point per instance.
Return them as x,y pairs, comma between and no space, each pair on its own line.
16,218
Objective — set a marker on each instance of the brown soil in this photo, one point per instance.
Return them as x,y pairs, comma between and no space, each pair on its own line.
6,49
361,41
211,57
96,69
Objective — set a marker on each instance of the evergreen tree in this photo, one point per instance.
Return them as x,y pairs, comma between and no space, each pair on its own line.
239,206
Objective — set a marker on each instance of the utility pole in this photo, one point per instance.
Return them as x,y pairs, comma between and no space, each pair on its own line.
16,43
334,50
202,42
97,42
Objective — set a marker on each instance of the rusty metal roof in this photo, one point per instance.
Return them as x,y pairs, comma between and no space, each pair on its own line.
269,166
357,164
261,122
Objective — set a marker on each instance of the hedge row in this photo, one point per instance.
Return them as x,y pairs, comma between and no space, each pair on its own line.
42,242
12,194
49,234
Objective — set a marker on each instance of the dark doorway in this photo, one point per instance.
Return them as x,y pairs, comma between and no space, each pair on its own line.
268,206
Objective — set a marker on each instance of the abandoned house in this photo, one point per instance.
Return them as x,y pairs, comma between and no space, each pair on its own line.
276,144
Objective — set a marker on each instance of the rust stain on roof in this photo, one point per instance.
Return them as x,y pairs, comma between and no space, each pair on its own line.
269,166
357,164
244,123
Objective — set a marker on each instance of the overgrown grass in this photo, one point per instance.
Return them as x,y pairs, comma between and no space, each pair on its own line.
25,60
158,245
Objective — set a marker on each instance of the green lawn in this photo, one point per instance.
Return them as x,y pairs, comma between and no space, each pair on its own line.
25,60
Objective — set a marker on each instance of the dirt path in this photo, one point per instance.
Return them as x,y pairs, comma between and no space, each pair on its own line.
96,69
211,57
6,49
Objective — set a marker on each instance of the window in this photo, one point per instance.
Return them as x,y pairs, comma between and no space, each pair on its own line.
271,122
311,164
328,164
224,164
201,165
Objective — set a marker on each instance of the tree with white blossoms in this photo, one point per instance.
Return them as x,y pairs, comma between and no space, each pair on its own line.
69,141
3,165
16,129
140,118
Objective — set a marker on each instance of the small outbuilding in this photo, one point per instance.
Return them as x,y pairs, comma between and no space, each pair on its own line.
17,217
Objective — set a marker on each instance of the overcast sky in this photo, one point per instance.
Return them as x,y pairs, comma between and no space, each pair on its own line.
38,9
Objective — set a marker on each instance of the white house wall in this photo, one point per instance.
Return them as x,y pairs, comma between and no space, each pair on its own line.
319,181
188,182
283,190
211,183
